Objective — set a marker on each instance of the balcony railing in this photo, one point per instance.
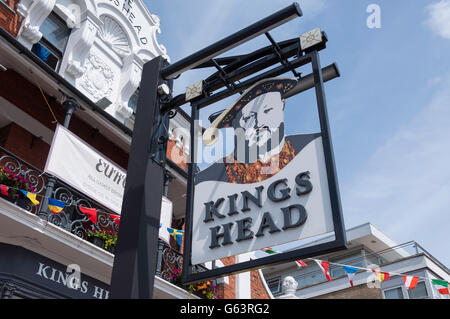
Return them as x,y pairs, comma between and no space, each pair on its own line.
71,219
313,275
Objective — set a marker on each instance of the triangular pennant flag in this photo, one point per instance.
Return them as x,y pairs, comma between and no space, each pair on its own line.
301,263
381,276
116,219
4,190
55,206
90,212
324,265
441,286
269,250
176,234
31,197
410,282
351,272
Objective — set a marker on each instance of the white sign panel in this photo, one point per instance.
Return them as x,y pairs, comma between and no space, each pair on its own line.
273,223
244,203
82,167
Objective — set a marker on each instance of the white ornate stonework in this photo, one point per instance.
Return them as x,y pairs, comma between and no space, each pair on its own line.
80,45
289,286
109,42
36,14
97,78
114,36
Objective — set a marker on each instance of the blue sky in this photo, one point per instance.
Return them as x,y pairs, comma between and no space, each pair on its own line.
389,111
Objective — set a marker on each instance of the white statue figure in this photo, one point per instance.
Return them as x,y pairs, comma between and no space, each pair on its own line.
289,288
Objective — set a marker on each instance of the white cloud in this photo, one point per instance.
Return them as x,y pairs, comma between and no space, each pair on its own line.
405,187
439,18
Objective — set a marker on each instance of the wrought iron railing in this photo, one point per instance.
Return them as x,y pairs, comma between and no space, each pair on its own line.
71,219
45,186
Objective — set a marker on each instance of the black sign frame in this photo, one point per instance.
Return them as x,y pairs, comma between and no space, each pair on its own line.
340,241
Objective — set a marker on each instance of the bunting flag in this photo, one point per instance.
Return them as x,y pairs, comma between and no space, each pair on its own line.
176,234
351,272
441,286
90,212
116,219
4,190
381,276
31,197
55,206
410,282
324,265
269,250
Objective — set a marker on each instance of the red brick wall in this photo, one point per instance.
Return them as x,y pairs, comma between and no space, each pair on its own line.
24,145
176,155
258,290
26,96
9,19
358,292
228,291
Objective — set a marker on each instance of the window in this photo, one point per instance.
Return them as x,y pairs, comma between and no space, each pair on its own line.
355,259
420,292
274,285
132,103
395,293
55,35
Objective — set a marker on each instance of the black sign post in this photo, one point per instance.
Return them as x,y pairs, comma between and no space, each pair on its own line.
136,252
136,255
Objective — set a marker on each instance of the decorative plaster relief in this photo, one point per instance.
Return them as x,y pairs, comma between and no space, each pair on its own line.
98,78
114,36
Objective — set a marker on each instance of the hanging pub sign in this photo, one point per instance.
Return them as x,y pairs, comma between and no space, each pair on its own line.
272,189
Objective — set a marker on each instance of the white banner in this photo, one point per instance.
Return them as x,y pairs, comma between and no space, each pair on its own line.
165,220
82,167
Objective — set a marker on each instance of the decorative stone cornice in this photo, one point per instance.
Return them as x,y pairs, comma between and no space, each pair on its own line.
37,13
131,78
80,44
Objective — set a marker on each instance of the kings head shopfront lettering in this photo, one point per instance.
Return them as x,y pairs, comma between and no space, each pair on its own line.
287,217
66,280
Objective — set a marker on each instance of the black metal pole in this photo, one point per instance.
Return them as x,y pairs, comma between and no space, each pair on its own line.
137,247
187,266
43,208
338,219
70,105
252,31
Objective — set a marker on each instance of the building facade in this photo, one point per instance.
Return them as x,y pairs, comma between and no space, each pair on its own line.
369,249
78,64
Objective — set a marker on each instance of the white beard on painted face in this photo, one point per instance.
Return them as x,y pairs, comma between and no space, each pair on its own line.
261,119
